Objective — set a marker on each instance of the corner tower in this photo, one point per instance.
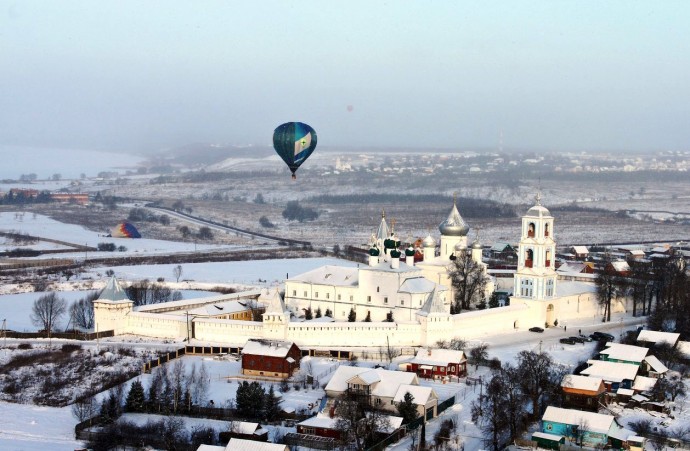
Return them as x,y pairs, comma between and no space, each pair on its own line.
535,278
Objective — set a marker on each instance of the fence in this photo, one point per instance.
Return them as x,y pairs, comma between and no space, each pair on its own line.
444,405
163,358
76,335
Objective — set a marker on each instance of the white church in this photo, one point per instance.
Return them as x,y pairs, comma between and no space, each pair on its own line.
393,299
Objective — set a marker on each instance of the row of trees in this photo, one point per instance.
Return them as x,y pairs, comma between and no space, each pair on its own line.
295,212
204,233
660,289
144,215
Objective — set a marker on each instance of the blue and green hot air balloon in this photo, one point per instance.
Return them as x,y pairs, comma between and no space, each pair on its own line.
294,142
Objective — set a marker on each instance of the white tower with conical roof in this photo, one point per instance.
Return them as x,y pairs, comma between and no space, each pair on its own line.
536,276
111,308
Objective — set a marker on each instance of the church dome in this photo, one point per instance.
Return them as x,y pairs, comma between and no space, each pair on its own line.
409,252
460,247
476,245
429,242
539,211
454,225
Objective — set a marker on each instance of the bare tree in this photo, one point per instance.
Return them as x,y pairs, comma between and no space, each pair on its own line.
359,422
468,281
580,432
47,310
177,272
81,311
84,409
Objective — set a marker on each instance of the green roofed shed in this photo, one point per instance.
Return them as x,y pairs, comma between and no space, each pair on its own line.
548,441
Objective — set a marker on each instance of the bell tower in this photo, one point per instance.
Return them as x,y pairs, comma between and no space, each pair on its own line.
536,276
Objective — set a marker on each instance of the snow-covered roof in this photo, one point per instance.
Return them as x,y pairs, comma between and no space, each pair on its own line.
342,276
438,357
620,433
222,308
643,383
244,428
185,305
113,292
321,420
580,249
421,395
433,305
581,382
571,267
367,377
656,364
210,448
545,436
500,246
394,422
596,422
238,444
621,266
275,303
386,267
417,285
684,348
386,387
655,336
611,371
625,392
618,351
272,348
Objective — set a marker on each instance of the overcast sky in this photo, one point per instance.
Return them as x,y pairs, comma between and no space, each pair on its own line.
555,75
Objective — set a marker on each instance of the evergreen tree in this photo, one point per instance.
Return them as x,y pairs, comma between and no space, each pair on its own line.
329,313
271,405
307,313
352,317
407,409
136,399
389,317
318,312
368,318
249,400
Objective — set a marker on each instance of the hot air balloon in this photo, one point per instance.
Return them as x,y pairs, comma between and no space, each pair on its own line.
294,142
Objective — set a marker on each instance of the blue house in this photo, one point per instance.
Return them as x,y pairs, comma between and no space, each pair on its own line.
589,428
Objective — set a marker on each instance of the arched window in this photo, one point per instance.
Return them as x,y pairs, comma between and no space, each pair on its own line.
546,229
548,258
530,230
529,257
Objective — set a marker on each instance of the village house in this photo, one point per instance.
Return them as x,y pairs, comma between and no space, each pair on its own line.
651,338
614,374
579,252
382,388
437,363
238,444
590,428
270,358
621,353
583,392
245,430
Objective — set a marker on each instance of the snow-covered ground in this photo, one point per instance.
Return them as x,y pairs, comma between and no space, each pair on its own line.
45,227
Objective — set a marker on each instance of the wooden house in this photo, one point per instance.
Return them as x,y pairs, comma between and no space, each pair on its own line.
270,358
566,422
438,363
583,392
614,374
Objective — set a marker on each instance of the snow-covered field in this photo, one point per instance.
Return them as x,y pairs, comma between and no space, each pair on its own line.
45,227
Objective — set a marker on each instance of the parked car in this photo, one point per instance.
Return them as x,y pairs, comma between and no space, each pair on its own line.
585,337
577,339
601,336
536,329
568,341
